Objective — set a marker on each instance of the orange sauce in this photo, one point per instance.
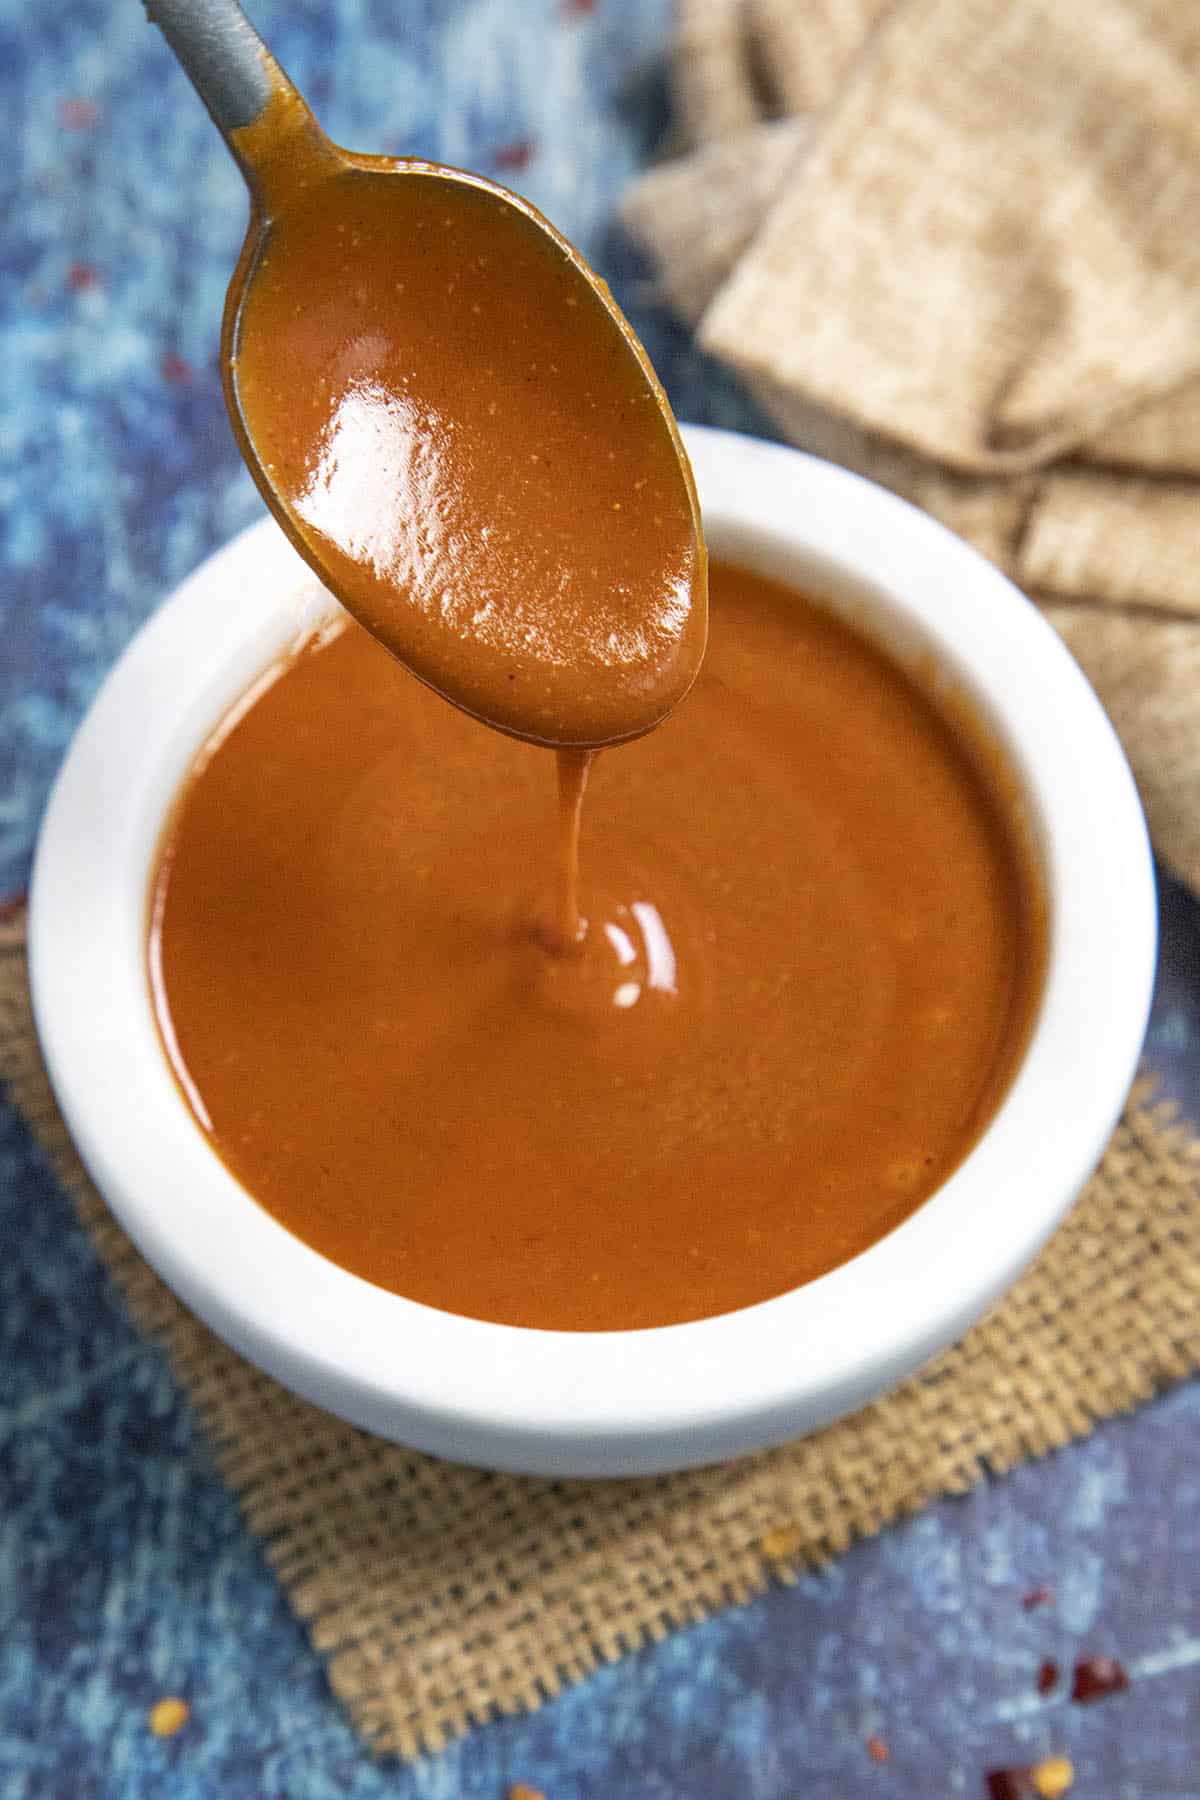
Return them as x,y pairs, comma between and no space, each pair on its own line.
809,955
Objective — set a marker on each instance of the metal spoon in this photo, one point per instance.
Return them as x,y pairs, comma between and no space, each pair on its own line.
584,671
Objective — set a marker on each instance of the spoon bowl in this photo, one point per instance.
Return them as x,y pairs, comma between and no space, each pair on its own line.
451,419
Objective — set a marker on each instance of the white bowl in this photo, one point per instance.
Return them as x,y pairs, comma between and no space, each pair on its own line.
605,1403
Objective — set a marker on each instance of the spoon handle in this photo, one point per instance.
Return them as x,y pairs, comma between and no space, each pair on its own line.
223,56
237,77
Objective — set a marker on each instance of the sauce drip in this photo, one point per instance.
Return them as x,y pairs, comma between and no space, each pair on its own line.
574,766
809,954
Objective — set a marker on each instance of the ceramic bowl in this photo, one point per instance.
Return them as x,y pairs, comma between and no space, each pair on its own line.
610,1403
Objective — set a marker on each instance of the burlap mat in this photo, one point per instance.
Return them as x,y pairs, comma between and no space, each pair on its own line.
441,1596
951,244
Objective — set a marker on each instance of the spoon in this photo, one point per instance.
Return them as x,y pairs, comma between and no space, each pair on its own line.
451,419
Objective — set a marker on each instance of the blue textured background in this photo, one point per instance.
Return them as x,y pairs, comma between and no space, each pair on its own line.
125,1573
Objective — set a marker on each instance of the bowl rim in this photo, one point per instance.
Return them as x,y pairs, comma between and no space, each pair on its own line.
583,1403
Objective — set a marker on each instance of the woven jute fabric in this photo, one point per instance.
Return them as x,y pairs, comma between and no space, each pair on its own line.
1061,287
946,244
1148,670
1163,436
1116,540
738,59
442,1596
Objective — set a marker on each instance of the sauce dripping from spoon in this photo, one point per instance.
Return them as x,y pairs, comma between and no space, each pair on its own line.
454,424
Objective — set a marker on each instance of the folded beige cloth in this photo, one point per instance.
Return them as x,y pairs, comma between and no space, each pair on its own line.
952,244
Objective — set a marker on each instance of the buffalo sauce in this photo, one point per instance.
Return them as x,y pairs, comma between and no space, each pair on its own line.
808,956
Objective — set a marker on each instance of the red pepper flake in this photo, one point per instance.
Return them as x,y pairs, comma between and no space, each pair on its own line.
78,115
81,276
578,7
1047,1677
515,156
1096,1677
1008,1784
175,369
1038,1596
11,908
877,1750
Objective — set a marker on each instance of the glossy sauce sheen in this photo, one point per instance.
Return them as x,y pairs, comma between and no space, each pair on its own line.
474,452
812,955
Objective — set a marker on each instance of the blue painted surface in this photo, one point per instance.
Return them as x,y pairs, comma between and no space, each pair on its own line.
125,1573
